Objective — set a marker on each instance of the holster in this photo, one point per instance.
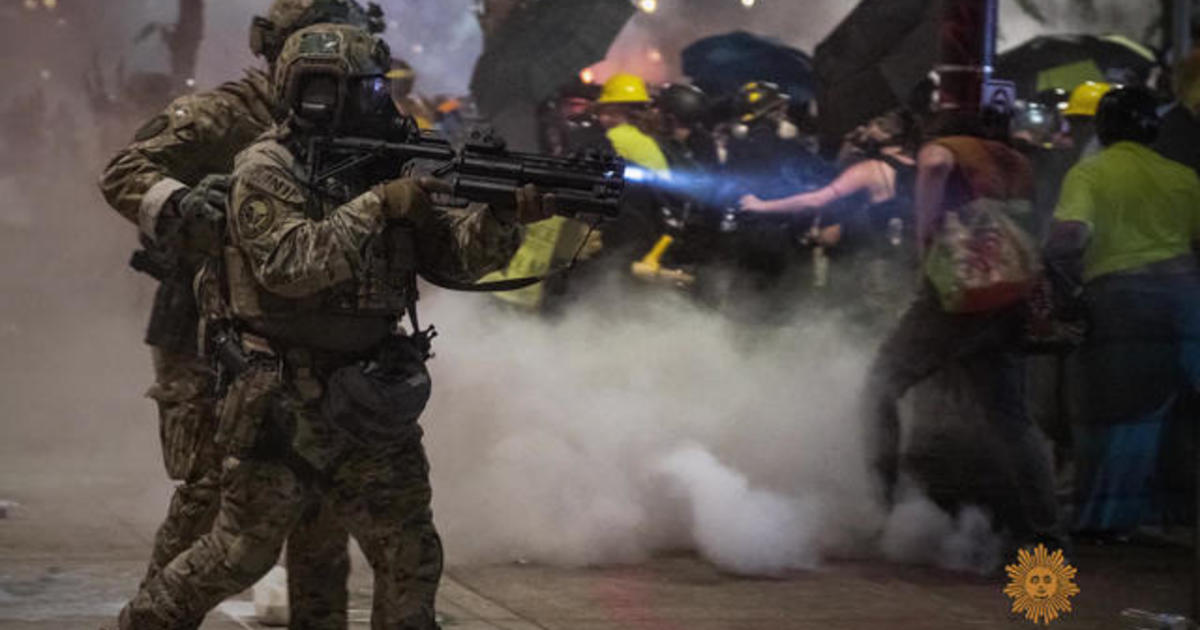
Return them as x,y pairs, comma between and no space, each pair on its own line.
174,317
256,420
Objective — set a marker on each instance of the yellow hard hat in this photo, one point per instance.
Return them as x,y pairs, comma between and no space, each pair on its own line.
624,88
1085,98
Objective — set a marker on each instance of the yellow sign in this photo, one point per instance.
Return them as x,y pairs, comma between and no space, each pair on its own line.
1041,584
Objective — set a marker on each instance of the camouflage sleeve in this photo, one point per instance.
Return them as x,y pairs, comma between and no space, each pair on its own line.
194,136
463,244
290,254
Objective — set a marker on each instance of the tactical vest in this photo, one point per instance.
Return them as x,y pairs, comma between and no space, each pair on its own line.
351,317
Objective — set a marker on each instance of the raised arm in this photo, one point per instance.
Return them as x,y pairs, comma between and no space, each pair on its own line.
872,177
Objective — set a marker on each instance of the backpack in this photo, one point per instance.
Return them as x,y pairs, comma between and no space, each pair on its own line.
983,258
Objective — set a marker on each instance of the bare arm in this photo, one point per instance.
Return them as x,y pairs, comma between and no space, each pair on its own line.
870,176
934,165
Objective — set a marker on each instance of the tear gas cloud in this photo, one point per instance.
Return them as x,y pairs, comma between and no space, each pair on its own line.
635,425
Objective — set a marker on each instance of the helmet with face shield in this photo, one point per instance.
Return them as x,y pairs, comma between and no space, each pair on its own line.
333,78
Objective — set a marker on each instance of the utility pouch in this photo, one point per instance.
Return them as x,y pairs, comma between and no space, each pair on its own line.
250,411
173,318
186,415
243,288
382,398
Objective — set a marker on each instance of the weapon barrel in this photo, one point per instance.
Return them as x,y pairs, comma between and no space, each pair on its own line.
500,192
492,175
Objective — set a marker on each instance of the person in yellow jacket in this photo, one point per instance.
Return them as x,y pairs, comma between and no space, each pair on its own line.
621,103
1081,116
553,242
624,97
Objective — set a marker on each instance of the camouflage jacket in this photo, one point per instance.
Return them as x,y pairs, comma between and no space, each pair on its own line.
330,272
196,135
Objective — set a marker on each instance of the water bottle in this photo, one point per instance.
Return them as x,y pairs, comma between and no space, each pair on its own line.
1137,619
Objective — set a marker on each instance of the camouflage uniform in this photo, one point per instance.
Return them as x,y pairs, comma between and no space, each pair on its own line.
194,136
316,284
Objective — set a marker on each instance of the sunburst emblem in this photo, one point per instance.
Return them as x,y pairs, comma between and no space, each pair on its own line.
1041,585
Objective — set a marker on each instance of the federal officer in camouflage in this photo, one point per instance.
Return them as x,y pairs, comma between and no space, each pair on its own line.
327,382
170,183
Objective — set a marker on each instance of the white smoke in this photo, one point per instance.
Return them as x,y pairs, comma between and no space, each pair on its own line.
641,425
740,528
918,532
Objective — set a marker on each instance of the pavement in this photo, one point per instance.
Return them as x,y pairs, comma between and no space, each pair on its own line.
74,546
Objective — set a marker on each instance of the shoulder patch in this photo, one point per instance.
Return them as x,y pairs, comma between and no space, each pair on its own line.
255,216
273,183
152,128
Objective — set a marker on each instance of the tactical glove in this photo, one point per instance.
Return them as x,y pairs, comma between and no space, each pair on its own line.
194,221
407,198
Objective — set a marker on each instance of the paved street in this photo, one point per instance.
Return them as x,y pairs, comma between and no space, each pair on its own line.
67,563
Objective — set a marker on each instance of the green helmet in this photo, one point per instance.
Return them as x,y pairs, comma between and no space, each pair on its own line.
285,17
333,74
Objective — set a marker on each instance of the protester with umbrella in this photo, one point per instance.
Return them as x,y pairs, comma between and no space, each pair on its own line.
1065,61
722,64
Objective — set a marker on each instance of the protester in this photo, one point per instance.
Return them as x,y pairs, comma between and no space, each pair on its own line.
961,176
1126,223
1081,113
866,213
686,141
769,153
620,107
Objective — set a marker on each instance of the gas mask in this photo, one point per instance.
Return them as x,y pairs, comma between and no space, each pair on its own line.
785,129
333,80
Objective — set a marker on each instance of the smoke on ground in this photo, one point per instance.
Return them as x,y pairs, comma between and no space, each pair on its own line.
637,425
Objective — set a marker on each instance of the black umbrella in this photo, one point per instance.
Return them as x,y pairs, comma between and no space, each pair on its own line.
540,47
721,64
1064,61
872,61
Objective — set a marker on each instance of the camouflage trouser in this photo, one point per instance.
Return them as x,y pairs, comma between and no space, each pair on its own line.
318,561
380,492
187,425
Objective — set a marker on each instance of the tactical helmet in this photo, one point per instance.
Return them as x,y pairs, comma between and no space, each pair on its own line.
687,104
285,17
758,98
333,75
1127,113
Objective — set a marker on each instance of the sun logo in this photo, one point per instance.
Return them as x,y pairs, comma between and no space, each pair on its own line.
1041,585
